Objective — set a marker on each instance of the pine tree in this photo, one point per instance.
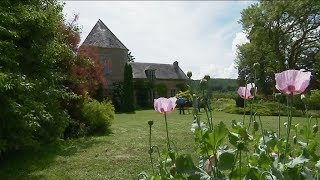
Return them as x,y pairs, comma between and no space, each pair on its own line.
128,94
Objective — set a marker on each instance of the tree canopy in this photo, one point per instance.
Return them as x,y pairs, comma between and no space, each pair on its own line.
283,35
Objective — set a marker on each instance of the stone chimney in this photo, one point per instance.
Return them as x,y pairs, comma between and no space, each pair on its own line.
176,65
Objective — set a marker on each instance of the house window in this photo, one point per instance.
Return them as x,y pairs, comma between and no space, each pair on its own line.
107,66
173,92
151,75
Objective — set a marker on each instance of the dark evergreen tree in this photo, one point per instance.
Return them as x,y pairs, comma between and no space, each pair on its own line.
128,93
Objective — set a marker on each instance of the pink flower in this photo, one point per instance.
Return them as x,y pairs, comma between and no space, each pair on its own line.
245,92
292,81
164,105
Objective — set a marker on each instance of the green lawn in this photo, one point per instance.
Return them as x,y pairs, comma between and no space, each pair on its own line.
120,155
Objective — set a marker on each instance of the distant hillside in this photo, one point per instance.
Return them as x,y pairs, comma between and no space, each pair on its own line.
220,84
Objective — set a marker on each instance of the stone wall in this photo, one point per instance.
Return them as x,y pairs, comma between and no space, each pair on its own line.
114,61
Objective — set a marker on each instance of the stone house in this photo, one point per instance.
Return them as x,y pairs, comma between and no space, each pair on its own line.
114,54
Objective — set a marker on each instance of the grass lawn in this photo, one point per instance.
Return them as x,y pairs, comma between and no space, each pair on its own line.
120,155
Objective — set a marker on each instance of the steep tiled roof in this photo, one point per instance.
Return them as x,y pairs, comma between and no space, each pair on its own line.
101,36
162,71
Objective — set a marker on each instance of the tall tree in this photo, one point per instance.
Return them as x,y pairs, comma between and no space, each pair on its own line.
128,92
283,35
33,69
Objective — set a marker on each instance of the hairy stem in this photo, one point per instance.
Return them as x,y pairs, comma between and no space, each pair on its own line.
279,121
168,141
150,149
289,109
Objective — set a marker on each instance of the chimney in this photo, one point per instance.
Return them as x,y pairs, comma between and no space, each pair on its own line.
175,65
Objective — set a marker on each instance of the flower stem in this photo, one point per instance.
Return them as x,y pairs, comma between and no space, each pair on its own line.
168,141
244,111
279,121
150,149
240,164
289,109
250,120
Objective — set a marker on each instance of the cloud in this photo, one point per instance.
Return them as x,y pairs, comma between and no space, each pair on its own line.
200,35
241,38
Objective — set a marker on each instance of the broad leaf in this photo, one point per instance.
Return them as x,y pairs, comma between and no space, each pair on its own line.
226,160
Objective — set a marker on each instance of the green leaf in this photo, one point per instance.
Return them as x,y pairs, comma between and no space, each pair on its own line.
233,138
264,160
220,131
184,164
318,164
297,161
226,160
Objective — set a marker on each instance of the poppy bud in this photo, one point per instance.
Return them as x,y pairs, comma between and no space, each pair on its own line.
207,77
150,123
256,66
189,74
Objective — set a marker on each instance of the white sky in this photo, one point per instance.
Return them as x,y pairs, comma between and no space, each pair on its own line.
201,35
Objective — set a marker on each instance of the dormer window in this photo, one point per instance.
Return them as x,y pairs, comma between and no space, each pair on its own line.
151,74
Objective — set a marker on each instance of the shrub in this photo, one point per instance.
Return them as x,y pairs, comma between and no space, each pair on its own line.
264,109
222,103
98,116
162,89
314,99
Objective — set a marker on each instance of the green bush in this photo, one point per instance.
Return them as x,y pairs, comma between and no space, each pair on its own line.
227,95
264,109
222,103
98,116
313,100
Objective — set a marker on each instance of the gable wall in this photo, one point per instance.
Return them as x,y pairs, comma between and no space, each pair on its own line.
114,60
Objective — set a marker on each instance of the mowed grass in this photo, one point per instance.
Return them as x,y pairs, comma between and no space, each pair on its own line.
123,154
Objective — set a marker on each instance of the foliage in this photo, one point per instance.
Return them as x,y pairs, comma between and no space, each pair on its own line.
87,71
283,35
130,57
227,94
185,94
182,87
314,99
128,92
98,116
161,89
222,103
86,78
245,151
142,89
264,108
117,95
218,85
33,68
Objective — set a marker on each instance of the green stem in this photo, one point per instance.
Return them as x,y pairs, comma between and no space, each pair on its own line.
264,141
279,121
168,141
244,111
289,109
150,149
250,120
240,164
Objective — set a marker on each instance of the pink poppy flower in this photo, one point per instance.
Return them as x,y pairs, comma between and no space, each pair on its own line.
164,105
292,81
245,92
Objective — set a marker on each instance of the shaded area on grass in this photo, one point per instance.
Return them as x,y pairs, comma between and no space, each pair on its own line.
20,164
